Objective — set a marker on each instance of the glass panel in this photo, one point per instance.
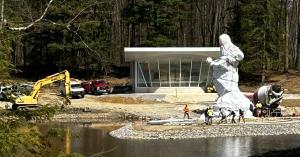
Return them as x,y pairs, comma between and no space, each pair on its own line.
164,72
143,75
204,73
185,71
195,73
161,74
175,71
154,73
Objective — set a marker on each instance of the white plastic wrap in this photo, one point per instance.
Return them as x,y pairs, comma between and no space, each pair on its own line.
225,77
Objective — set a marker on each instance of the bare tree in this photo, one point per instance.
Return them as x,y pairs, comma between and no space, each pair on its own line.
2,14
286,51
34,22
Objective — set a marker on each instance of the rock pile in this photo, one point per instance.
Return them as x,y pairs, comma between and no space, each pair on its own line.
128,131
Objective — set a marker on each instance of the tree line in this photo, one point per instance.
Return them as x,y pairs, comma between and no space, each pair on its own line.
90,35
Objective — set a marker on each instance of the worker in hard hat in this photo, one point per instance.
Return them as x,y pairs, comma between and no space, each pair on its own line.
232,113
206,116
258,104
186,111
209,89
222,114
241,115
258,108
210,114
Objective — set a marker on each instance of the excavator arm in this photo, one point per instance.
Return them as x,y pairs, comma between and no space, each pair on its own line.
65,75
31,100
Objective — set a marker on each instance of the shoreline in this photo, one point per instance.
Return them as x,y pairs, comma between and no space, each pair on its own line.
134,127
197,132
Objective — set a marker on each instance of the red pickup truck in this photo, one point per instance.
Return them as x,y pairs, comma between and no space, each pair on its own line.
97,87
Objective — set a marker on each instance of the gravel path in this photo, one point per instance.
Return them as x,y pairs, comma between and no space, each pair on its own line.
291,96
251,129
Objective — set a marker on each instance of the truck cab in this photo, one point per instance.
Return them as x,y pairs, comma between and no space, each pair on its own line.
76,90
97,87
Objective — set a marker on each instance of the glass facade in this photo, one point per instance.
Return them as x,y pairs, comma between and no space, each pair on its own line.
172,71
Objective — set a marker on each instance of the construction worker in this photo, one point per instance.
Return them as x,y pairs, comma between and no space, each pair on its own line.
206,116
241,115
210,114
258,108
222,115
186,112
209,89
258,104
232,113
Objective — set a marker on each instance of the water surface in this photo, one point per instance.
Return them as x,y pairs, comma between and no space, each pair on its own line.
88,141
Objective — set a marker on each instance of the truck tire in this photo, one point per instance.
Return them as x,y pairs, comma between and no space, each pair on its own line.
14,107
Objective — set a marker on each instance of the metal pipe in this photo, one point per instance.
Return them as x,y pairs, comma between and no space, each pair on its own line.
158,72
191,72
207,81
200,71
143,74
180,72
149,73
170,72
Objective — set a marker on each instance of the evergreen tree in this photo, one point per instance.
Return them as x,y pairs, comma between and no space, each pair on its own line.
257,32
90,35
162,20
5,51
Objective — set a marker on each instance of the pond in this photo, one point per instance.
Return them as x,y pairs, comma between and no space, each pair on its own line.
88,141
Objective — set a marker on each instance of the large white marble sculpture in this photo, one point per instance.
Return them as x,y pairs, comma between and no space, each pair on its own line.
225,77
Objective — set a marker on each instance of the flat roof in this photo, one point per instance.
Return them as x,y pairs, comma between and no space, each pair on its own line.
136,53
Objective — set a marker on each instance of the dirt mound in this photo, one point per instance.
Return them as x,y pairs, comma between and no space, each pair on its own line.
118,82
290,81
125,100
291,103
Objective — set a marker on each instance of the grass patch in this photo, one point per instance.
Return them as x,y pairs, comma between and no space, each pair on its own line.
290,103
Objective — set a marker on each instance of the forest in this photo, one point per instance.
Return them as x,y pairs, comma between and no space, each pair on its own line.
88,36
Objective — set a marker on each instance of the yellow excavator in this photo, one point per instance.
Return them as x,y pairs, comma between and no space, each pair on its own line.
31,101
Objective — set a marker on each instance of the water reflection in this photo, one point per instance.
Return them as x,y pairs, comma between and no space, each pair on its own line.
210,147
88,141
68,141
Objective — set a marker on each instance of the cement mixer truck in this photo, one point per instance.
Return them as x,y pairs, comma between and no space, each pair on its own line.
270,96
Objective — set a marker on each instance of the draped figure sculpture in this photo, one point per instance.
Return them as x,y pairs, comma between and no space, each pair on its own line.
225,77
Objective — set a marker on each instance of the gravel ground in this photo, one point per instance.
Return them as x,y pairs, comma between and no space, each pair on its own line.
251,129
88,117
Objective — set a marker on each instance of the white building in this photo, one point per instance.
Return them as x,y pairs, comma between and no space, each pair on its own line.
170,69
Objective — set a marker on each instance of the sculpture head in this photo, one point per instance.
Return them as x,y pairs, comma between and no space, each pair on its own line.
228,49
224,39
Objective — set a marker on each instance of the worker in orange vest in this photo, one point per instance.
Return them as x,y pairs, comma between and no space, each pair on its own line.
186,111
